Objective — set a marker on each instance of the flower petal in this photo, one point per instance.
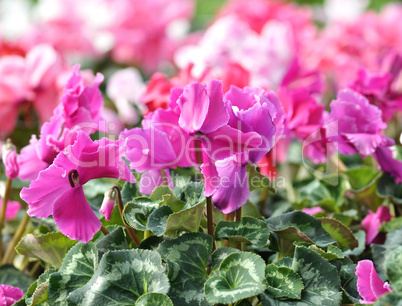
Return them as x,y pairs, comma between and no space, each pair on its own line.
74,217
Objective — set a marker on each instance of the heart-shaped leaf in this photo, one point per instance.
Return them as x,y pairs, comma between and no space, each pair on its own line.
187,257
393,268
51,247
153,299
340,233
249,229
283,282
241,275
122,277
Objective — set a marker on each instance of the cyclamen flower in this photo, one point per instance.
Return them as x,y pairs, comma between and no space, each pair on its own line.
372,222
9,295
58,190
10,160
250,111
79,108
12,209
369,284
359,131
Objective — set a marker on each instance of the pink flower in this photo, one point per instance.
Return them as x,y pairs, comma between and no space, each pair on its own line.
359,124
12,209
313,210
109,200
80,108
372,222
62,182
10,160
153,178
359,131
369,284
9,295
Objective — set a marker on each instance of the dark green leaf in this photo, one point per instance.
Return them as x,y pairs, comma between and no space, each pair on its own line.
154,299
249,229
393,268
340,233
13,277
283,282
241,275
115,240
387,187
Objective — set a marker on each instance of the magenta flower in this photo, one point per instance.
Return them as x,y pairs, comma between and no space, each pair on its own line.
359,131
79,108
369,284
153,178
62,182
12,209
9,157
9,295
227,179
109,200
204,117
359,124
372,222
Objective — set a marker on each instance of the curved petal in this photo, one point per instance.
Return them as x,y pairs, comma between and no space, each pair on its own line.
42,192
366,144
363,271
194,104
233,190
217,115
74,217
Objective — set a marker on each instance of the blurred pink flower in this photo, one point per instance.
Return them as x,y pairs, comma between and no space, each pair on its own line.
12,209
9,295
62,183
372,223
9,156
312,210
369,284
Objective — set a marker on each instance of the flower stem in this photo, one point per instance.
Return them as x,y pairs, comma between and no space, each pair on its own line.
104,230
164,178
210,205
10,253
130,231
3,213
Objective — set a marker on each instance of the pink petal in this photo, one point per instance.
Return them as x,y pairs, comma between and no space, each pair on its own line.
364,273
383,214
371,224
73,215
366,144
149,149
217,115
388,164
12,209
227,141
151,179
233,190
194,104
42,192
9,295
211,175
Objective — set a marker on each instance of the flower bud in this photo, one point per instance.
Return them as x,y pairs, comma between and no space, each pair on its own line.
108,204
10,159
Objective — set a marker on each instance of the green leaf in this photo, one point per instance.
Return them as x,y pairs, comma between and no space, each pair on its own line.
219,255
115,240
361,237
13,277
257,180
129,192
330,254
390,299
360,178
158,219
153,299
38,292
387,187
393,268
193,194
121,278
241,275
320,279
51,247
392,242
297,226
187,257
151,243
136,213
346,271
248,230
317,194
392,225
283,282
166,196
77,269
340,233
